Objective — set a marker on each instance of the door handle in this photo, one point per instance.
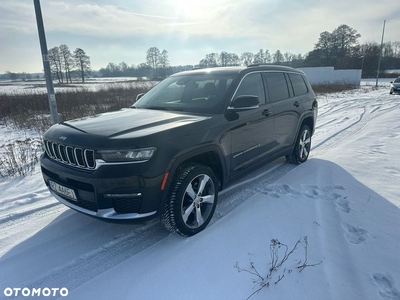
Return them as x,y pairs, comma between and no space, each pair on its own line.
266,112
296,103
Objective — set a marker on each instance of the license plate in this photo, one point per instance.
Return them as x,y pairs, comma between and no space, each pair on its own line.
62,190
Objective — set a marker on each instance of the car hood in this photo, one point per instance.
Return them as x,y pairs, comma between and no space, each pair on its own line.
128,123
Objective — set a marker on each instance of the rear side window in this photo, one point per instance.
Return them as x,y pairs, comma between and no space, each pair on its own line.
299,86
276,86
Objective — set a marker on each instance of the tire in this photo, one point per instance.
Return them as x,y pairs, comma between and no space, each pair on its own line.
391,92
302,148
191,200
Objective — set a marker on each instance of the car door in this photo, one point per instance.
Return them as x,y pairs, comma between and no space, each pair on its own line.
287,108
251,130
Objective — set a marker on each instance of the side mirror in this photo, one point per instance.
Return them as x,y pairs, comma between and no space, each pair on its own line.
245,102
139,96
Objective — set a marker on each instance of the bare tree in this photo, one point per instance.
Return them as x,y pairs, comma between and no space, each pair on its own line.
223,59
288,56
55,63
259,57
210,61
234,59
268,58
123,66
278,57
67,61
153,59
247,58
82,61
164,63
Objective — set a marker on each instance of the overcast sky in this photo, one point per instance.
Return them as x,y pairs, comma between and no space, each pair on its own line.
122,30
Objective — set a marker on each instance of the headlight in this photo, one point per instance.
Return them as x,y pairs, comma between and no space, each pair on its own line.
143,154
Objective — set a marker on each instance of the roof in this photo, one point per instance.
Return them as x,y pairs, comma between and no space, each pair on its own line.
238,69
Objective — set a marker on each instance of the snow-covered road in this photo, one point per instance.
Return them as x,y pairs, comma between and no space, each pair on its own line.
345,199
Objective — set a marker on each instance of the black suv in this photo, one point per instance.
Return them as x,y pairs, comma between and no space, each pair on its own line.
180,143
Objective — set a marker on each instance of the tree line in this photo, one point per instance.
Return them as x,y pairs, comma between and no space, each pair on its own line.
339,48
156,66
64,65
224,59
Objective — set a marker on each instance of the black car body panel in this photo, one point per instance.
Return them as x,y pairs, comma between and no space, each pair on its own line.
191,126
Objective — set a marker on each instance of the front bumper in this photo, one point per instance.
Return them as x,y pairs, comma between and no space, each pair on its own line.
115,192
395,90
107,213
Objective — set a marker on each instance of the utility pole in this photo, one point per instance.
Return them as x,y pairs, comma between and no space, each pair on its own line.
380,54
46,64
362,64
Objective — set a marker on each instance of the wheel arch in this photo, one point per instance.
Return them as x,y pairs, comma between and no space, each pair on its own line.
210,156
310,122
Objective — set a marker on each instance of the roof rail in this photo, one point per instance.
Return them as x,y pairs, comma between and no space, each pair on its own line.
256,65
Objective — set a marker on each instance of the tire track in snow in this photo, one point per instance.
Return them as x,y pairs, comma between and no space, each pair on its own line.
343,133
17,218
368,114
368,103
92,264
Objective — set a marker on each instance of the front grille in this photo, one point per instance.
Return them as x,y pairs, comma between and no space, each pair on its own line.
127,205
72,156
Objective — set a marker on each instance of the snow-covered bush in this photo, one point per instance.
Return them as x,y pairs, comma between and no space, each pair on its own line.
19,158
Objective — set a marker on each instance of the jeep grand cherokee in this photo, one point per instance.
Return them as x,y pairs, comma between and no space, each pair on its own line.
179,144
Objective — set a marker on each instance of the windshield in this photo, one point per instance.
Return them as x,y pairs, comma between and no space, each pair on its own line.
397,79
202,93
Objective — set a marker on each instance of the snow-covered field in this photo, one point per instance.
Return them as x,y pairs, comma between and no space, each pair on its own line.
95,84
91,84
345,200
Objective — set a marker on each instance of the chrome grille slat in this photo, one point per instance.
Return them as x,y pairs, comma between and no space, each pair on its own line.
71,156
46,146
79,157
51,150
57,152
61,149
89,158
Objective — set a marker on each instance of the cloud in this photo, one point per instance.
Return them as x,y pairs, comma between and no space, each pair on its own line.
193,27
